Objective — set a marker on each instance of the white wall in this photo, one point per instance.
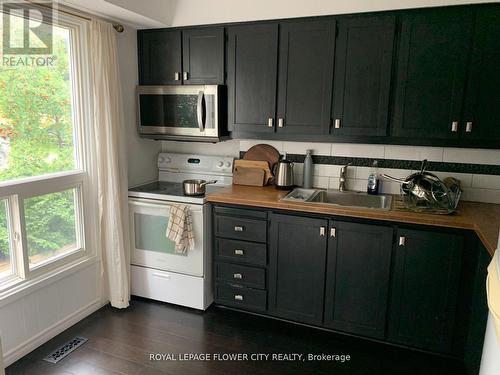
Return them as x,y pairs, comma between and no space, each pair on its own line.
33,316
197,12
141,153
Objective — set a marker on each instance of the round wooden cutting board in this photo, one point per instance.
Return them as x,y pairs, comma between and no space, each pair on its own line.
263,152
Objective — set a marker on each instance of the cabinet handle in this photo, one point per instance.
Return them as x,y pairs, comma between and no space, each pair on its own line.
270,122
333,232
185,76
238,297
402,240
322,231
238,228
238,276
281,123
468,127
337,123
454,126
177,76
239,252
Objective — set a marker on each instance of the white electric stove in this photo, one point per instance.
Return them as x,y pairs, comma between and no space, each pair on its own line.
157,271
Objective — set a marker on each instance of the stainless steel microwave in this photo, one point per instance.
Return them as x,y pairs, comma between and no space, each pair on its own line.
185,113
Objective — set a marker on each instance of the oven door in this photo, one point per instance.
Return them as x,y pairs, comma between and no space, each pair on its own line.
189,111
150,246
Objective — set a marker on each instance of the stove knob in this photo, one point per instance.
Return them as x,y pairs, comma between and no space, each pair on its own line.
228,164
161,160
220,164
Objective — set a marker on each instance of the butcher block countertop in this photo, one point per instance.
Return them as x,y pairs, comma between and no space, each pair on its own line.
483,218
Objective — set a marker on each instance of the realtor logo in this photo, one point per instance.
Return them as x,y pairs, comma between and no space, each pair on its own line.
27,28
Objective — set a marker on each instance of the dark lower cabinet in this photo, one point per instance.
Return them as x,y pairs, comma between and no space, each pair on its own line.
425,286
432,65
160,57
363,66
203,56
357,278
297,255
305,76
481,120
252,58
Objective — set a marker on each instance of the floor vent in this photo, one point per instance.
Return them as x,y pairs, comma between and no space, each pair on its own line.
64,350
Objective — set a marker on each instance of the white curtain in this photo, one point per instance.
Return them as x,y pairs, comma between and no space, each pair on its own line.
111,162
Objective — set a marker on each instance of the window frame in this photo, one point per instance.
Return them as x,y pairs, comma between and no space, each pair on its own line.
82,177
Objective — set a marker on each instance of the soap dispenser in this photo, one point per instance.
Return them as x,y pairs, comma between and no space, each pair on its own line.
373,180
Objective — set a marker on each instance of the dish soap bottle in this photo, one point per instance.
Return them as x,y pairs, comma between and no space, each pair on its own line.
308,173
373,182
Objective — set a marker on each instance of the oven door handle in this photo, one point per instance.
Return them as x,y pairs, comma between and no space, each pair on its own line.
200,111
160,205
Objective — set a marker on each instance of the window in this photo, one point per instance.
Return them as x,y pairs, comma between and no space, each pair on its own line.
44,176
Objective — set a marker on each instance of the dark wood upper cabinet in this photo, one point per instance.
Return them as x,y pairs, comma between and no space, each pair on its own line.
362,79
296,277
203,56
305,76
160,57
481,120
432,65
251,77
357,278
425,284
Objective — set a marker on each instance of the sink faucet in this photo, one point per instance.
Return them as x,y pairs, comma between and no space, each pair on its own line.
342,179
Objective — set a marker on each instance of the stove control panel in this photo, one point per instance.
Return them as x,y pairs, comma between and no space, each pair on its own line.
188,163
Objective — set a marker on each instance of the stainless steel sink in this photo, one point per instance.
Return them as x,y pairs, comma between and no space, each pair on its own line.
348,199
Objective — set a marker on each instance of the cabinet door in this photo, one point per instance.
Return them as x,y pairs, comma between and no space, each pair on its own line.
363,63
431,73
483,91
160,57
305,77
425,284
251,80
297,268
357,278
203,56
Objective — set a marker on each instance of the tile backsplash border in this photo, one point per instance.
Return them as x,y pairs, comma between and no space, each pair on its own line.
477,169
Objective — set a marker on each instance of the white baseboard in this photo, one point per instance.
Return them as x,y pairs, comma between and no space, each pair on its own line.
29,345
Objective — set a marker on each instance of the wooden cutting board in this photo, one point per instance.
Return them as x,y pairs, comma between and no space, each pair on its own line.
255,164
249,176
263,152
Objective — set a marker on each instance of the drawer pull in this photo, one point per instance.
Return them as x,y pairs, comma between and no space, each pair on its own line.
454,126
333,232
238,228
161,276
322,231
238,276
238,297
239,252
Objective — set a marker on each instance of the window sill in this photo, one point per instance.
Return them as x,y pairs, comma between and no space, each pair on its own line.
19,288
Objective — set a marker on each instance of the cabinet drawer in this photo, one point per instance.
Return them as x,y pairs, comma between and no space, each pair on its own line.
243,298
241,252
241,229
241,212
244,275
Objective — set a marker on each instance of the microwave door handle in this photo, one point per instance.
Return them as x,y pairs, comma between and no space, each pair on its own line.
199,111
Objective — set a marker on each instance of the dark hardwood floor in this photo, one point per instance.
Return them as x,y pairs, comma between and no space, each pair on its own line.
120,342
